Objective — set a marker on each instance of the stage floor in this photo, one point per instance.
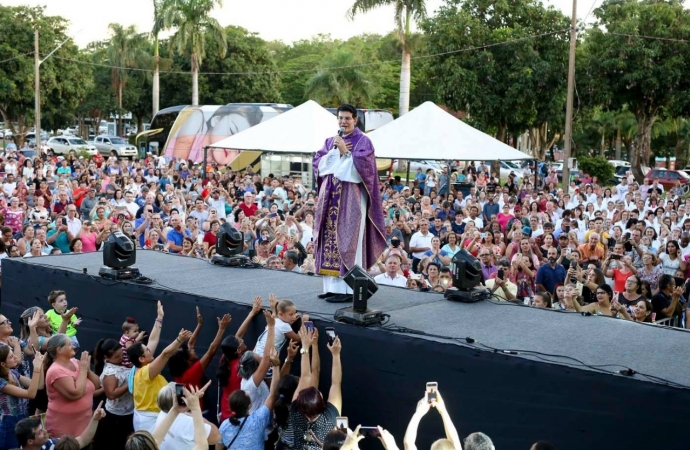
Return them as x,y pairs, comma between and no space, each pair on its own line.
603,344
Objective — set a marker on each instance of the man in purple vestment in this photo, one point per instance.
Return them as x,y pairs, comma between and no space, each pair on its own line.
348,227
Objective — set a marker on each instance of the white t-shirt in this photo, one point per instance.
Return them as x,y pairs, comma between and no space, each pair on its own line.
307,234
258,395
421,241
181,433
281,328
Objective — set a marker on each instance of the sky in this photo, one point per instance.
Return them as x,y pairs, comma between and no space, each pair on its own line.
285,20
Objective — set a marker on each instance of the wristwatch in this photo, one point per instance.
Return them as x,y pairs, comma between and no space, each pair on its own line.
304,350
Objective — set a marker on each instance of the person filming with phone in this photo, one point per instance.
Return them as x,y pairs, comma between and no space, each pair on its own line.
432,399
500,285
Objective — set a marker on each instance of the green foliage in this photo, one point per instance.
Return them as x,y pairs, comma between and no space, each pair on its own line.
596,166
63,83
513,86
648,76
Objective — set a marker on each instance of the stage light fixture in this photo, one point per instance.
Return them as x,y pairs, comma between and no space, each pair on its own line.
466,273
119,256
363,286
229,247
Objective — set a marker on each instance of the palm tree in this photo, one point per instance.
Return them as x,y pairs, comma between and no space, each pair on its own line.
347,85
192,20
125,50
157,28
405,12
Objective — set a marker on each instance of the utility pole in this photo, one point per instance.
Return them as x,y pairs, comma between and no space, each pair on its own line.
37,92
37,84
569,100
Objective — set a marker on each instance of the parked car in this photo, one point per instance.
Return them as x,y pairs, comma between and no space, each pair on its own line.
668,178
106,144
61,145
558,167
506,168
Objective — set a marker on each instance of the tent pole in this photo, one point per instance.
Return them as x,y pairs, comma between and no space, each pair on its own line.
407,177
205,161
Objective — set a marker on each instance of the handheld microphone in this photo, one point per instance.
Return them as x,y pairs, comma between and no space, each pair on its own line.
341,131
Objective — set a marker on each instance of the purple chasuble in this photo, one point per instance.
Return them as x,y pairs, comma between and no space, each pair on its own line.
339,213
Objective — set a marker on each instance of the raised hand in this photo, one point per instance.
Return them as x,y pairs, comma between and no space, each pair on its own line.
256,306
77,322
316,337
38,361
160,310
184,336
199,317
275,360
272,300
191,397
306,337
141,336
99,413
85,361
423,406
335,348
270,319
67,315
292,349
33,321
224,322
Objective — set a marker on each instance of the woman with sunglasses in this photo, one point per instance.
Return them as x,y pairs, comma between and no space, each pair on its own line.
603,305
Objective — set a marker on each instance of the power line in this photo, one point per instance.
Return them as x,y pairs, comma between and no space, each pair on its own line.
462,50
16,57
658,38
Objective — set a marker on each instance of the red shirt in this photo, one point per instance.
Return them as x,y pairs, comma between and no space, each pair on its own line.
248,210
233,384
210,238
193,377
78,196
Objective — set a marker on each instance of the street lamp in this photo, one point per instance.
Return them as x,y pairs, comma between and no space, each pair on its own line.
37,81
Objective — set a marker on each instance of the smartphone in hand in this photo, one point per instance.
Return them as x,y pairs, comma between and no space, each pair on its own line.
431,389
330,334
309,325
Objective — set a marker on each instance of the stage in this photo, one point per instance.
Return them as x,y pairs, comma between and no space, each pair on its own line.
518,374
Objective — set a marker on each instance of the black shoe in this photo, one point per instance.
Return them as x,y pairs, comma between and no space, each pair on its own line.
326,295
340,298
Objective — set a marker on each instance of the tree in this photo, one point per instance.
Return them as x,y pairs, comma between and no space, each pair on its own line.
405,12
63,81
193,23
348,84
515,83
648,76
126,50
99,102
158,26
246,54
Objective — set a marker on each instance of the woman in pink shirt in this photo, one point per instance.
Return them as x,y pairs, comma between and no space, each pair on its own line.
504,217
70,385
88,237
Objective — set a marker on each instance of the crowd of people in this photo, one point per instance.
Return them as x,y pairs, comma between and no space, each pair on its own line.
550,247
52,398
619,251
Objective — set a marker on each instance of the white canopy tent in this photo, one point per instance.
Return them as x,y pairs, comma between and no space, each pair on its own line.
428,132
300,130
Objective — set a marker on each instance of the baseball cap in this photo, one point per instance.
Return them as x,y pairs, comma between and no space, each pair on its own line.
527,231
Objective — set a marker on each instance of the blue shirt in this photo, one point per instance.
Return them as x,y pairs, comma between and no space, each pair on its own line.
549,276
252,435
61,242
176,237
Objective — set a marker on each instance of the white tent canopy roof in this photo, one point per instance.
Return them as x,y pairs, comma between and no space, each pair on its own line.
428,132
300,130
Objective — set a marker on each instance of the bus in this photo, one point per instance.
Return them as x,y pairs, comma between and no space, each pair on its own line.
183,131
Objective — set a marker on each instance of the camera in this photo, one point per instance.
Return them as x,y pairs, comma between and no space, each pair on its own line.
330,334
179,393
431,389
395,243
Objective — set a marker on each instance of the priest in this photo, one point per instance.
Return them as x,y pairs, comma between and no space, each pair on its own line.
348,226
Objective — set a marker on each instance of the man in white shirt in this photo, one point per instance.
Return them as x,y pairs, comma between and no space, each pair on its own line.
217,201
391,277
420,242
10,186
279,195
622,189
73,222
130,204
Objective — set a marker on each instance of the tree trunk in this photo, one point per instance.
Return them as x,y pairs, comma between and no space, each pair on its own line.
618,142
602,152
156,88
404,103
642,147
119,109
195,81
